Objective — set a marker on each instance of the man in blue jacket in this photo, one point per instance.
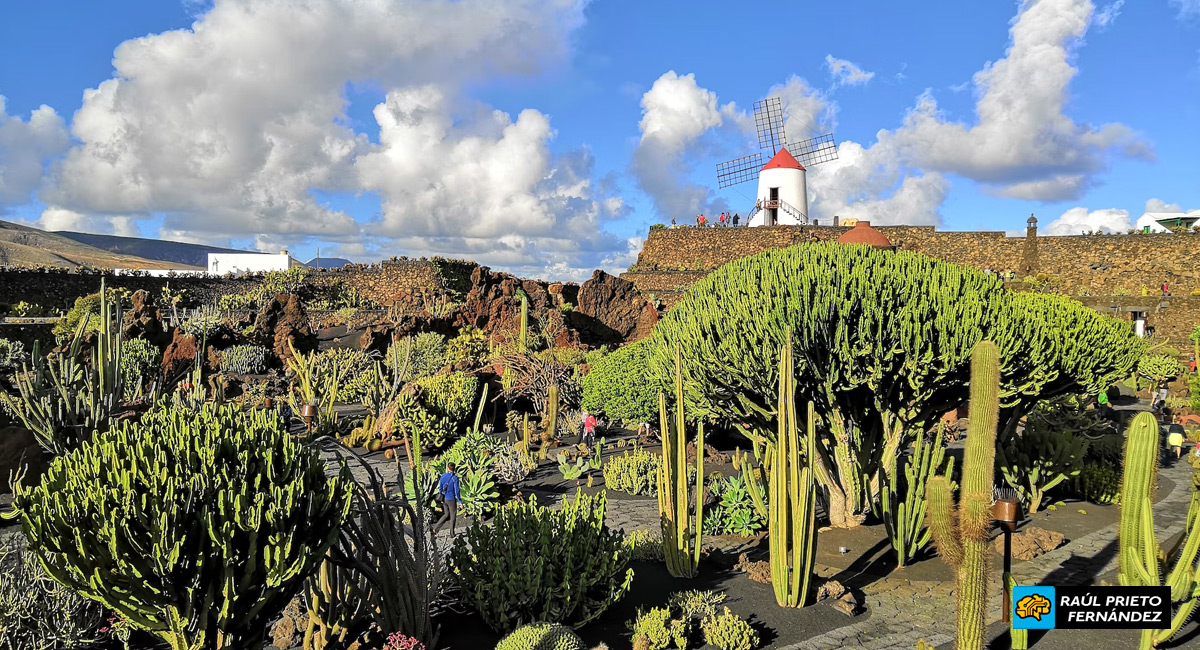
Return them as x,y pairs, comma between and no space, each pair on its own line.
448,491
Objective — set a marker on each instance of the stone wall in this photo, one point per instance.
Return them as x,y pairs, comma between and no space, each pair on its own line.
1082,265
55,290
395,282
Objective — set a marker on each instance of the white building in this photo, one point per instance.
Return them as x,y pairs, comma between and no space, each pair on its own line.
242,263
782,193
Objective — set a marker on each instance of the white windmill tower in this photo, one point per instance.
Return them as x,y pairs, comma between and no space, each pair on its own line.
782,198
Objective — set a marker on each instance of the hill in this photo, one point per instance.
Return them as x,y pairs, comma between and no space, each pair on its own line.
328,262
155,249
25,246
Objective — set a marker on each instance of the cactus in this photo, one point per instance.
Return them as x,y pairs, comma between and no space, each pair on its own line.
1038,459
904,519
310,390
62,400
961,533
1019,638
681,534
525,434
524,338
381,576
232,515
551,410
793,496
1142,562
542,636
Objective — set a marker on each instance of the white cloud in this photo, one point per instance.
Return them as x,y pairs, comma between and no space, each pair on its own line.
676,113
1187,8
228,127
1079,220
25,148
845,73
1107,14
1158,205
61,219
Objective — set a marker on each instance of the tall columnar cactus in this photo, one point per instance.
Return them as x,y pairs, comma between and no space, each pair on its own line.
903,499
524,338
793,499
681,533
961,533
1142,562
63,400
551,421
196,526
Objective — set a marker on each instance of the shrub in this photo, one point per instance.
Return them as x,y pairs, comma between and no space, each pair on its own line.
1108,450
542,636
37,613
645,544
27,309
139,359
471,346
537,564
697,603
244,359
1158,367
12,356
1037,459
450,395
352,364
734,513
414,420
85,307
633,472
653,627
156,519
619,386
417,356
729,631
1099,483
204,324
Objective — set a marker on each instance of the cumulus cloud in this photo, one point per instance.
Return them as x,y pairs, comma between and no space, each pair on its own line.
1158,205
845,73
25,148
62,219
676,113
1079,220
228,127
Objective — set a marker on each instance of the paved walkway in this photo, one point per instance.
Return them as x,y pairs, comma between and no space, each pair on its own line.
903,611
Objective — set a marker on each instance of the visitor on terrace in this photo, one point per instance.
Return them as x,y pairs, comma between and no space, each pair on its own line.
672,222
449,496
735,219
722,220
700,221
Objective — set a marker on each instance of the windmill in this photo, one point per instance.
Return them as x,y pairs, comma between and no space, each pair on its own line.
782,189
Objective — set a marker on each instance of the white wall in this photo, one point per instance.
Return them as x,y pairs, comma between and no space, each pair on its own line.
239,263
792,190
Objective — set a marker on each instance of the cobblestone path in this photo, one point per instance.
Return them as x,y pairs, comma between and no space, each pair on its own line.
903,611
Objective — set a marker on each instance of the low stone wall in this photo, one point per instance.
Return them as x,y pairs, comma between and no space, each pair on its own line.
54,290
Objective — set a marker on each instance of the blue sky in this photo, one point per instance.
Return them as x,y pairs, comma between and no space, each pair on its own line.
545,136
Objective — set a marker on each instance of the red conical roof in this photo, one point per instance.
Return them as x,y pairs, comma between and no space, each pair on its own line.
863,233
783,160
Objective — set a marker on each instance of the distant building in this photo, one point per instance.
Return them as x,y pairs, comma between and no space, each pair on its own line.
1168,221
242,263
782,193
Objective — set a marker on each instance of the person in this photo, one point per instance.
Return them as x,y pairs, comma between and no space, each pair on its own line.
589,429
449,496
1175,439
736,216
1192,363
722,219
672,222
1166,290
1163,390
1103,406
285,416
700,221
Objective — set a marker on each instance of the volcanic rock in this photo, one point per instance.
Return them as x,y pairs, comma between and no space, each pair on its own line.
144,321
621,314
1031,542
180,356
283,319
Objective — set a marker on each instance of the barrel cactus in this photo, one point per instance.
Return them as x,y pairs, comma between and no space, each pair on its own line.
198,527
542,636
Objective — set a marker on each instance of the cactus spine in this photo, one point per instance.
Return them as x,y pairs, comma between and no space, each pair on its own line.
1142,562
681,534
961,533
793,498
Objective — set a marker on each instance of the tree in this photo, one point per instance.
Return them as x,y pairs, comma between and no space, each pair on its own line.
882,343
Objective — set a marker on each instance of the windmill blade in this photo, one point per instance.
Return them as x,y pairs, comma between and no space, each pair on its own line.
814,151
768,121
738,170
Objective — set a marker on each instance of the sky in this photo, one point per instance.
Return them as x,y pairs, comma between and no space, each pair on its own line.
544,137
